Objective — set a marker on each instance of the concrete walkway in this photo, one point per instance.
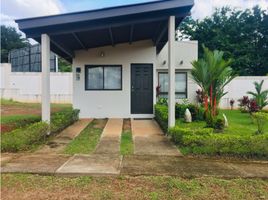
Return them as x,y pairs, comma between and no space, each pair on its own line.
65,137
154,155
149,139
110,138
106,159
134,165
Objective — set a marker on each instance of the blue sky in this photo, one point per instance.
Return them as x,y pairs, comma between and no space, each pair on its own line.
17,9
72,5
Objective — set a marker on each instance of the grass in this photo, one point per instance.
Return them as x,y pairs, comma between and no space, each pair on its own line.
25,186
19,114
87,141
10,102
239,123
126,146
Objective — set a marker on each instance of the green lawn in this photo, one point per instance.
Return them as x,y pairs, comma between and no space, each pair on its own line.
87,140
239,123
10,102
126,146
25,186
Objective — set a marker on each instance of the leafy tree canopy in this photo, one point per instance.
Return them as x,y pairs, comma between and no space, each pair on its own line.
242,35
10,39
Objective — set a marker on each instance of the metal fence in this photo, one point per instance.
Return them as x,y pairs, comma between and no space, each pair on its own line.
28,59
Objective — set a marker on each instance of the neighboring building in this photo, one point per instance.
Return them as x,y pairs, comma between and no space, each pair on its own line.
117,54
28,59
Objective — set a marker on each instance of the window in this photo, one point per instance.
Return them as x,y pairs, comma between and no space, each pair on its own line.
108,77
180,84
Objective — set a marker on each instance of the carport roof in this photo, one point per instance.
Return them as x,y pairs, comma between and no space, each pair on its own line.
108,26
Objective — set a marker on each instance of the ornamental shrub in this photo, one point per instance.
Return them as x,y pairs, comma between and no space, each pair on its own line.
161,116
260,119
204,141
63,119
196,112
24,138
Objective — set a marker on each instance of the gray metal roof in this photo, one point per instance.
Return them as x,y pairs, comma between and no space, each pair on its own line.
107,26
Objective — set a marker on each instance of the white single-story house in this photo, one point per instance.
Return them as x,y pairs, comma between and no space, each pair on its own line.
119,56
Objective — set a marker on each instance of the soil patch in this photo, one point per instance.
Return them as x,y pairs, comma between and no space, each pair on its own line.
126,125
99,123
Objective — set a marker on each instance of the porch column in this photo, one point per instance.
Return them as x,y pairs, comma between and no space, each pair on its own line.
171,71
45,62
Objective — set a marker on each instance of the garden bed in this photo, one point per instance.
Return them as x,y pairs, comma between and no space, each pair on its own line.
28,137
239,139
16,115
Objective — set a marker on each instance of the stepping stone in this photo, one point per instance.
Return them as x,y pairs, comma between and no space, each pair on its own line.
95,164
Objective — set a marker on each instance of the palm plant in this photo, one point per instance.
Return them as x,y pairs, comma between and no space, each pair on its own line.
212,73
261,97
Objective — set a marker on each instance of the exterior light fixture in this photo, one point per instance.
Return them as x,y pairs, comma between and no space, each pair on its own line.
181,62
164,62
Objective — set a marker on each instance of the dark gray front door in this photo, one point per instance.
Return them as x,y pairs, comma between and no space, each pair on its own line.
141,89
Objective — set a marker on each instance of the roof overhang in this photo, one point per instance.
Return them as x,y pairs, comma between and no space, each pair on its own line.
108,26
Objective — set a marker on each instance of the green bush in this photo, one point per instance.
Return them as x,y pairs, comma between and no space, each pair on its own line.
204,141
161,116
17,121
63,119
177,134
219,125
260,119
196,112
24,138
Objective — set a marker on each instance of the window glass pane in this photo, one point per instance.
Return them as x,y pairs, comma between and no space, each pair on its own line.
112,78
95,78
180,85
180,96
180,80
163,82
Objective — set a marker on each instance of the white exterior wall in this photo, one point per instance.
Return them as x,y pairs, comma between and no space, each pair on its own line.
100,104
185,53
26,86
239,87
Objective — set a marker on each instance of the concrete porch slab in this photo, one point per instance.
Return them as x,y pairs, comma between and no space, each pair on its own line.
95,164
35,163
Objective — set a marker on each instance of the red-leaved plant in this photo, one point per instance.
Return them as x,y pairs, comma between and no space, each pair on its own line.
232,103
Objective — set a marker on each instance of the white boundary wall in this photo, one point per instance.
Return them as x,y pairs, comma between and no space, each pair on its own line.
26,86
239,87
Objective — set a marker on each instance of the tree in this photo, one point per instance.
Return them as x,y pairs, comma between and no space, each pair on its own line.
260,96
10,39
212,73
242,35
64,66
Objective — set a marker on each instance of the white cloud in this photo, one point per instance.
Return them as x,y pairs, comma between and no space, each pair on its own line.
17,9
203,8
31,8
